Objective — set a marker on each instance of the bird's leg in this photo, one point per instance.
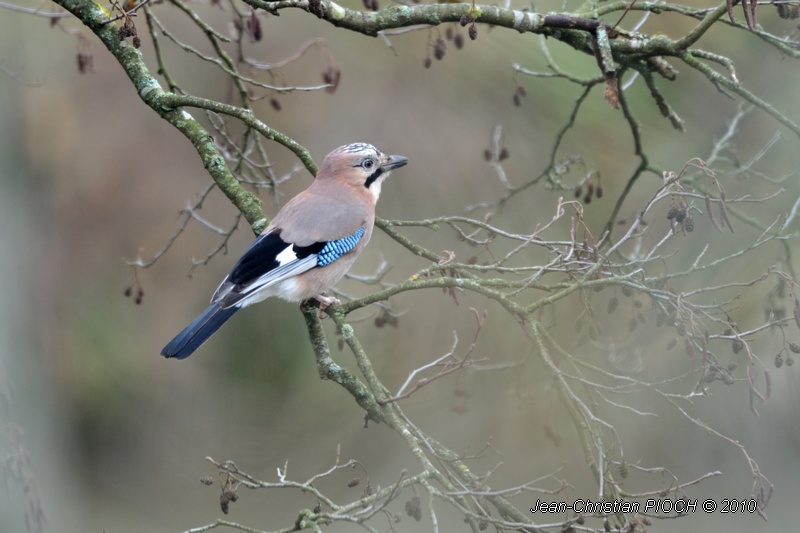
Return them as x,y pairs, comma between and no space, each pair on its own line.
324,302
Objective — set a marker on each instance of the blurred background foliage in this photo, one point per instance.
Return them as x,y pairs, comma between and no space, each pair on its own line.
115,437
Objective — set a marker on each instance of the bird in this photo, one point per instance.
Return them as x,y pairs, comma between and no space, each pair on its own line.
307,248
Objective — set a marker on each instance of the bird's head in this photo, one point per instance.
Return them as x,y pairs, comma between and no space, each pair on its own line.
360,165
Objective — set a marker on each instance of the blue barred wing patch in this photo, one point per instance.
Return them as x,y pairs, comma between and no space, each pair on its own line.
333,250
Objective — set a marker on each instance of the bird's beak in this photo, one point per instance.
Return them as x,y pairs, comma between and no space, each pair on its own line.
394,161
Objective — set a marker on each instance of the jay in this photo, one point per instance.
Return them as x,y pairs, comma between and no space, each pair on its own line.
309,246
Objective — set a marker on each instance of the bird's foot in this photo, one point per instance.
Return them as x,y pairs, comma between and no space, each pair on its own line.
324,302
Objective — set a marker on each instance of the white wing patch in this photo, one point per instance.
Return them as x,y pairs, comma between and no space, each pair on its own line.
286,256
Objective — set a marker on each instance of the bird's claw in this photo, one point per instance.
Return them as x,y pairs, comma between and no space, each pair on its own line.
324,302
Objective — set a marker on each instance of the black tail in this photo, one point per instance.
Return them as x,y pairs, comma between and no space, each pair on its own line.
198,332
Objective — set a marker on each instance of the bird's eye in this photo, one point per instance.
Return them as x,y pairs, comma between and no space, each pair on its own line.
368,163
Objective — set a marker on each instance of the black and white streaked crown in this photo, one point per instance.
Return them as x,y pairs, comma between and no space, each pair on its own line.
357,148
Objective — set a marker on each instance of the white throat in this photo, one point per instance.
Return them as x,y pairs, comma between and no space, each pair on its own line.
375,188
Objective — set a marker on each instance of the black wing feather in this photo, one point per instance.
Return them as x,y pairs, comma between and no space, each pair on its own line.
258,259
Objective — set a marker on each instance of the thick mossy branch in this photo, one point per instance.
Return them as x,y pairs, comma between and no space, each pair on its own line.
569,28
329,369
